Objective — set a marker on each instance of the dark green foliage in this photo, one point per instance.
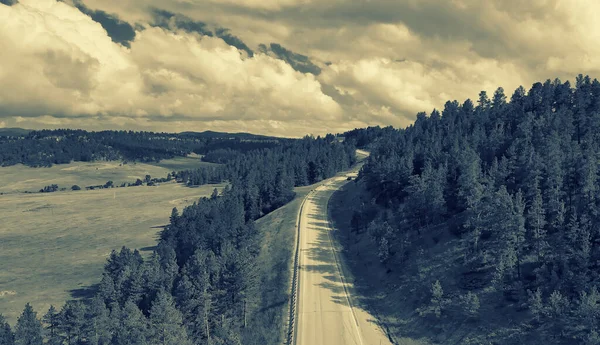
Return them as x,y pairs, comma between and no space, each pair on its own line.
75,187
129,326
62,146
96,329
517,182
364,137
52,321
166,324
28,330
6,335
49,189
201,176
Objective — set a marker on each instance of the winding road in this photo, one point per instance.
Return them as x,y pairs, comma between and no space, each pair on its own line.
326,314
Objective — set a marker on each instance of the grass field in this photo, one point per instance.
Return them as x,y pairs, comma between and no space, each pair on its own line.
18,178
54,245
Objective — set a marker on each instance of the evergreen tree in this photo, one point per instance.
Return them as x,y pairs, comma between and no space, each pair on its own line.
28,330
52,321
130,325
166,324
72,320
536,217
97,327
6,335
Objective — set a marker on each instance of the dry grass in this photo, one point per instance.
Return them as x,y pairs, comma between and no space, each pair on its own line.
54,245
19,178
268,314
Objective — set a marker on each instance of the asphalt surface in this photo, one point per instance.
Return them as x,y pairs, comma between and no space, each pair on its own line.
327,312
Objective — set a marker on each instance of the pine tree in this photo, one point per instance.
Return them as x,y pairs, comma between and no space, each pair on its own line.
588,309
536,304
72,320
469,304
28,330
174,216
6,335
536,217
166,324
131,325
52,320
96,329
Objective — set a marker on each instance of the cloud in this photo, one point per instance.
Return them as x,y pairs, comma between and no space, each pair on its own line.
299,62
8,2
67,76
118,30
176,21
323,65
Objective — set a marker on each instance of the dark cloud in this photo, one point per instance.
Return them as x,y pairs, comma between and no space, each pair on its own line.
8,2
169,20
172,21
299,62
233,40
119,31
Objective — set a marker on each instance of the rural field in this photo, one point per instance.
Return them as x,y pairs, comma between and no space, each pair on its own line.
19,178
54,245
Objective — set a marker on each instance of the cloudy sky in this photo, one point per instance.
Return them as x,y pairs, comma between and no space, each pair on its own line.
281,67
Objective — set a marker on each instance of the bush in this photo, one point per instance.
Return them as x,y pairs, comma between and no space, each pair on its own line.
75,187
469,304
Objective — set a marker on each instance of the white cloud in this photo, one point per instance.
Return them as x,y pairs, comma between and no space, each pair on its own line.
389,60
66,65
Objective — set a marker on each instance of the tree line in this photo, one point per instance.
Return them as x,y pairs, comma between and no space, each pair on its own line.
198,286
62,146
517,181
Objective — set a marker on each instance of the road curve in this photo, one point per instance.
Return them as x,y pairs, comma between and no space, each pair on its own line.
326,314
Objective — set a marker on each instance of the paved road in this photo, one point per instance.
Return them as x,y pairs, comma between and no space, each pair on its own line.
326,312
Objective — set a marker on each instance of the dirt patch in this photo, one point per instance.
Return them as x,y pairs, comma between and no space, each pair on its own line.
7,293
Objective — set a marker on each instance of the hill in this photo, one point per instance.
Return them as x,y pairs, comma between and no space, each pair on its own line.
62,146
479,224
15,132
224,135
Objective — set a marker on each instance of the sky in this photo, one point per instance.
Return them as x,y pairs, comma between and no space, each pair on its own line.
277,67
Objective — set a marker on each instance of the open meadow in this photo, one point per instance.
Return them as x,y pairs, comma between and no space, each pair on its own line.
19,178
53,246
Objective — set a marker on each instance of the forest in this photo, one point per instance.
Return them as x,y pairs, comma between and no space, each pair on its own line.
516,181
197,287
62,146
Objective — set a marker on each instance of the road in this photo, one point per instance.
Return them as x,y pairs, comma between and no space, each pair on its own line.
326,312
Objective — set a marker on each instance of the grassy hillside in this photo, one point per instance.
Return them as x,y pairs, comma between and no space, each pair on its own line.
19,178
268,314
54,245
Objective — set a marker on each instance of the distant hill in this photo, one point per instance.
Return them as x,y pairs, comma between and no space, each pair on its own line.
224,135
14,132
60,146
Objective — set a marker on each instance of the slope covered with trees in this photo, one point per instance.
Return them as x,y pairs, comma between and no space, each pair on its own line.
507,191
199,284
